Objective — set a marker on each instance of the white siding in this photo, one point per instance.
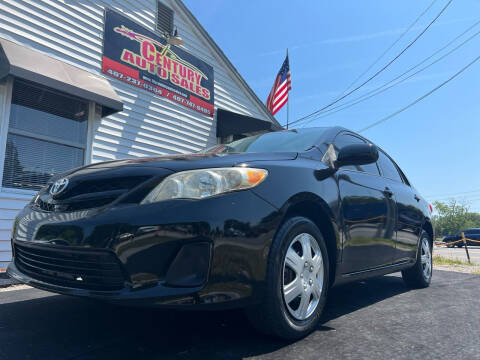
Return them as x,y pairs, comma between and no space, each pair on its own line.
73,32
10,205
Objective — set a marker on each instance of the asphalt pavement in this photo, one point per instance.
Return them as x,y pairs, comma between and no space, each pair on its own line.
374,319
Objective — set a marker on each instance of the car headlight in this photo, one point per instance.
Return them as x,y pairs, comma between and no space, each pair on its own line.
199,184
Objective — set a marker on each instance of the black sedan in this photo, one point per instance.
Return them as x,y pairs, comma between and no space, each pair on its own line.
470,234
268,223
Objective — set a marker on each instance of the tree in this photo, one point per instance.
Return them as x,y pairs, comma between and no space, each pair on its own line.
453,216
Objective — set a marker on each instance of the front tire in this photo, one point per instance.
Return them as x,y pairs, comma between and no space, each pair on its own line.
420,275
297,282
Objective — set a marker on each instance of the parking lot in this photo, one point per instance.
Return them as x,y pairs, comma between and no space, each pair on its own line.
375,319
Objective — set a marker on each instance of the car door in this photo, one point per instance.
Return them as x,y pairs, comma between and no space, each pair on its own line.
368,214
410,215
472,234
475,235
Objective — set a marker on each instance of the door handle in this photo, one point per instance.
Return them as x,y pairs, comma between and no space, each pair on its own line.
388,192
416,198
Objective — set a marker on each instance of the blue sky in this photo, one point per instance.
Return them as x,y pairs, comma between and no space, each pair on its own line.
436,142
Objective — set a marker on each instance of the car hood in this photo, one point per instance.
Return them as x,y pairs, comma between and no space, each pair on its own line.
189,161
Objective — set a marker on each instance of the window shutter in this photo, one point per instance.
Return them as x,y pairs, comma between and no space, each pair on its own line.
47,135
30,163
164,18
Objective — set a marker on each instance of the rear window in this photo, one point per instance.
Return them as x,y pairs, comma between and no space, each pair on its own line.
389,170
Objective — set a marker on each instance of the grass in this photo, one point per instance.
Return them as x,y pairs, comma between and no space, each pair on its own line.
440,260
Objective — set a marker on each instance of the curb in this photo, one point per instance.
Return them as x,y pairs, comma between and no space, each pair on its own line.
6,281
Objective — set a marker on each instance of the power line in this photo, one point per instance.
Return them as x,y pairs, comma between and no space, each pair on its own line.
456,193
390,47
381,89
470,201
366,95
421,97
453,194
379,71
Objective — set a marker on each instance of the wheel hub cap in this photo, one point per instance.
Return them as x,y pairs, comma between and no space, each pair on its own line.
426,259
303,276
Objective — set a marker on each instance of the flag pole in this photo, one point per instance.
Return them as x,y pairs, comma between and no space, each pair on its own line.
288,101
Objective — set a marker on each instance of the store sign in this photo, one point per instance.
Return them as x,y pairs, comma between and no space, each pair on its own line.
144,59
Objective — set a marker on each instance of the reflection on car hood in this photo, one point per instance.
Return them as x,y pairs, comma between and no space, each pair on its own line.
194,161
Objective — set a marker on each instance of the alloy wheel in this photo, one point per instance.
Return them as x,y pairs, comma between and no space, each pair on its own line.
303,276
426,259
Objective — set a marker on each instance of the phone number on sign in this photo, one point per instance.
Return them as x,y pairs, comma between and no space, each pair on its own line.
136,82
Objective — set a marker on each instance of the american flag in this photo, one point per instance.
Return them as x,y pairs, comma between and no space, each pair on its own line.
279,94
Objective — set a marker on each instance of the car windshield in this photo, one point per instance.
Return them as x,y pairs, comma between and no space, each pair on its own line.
282,141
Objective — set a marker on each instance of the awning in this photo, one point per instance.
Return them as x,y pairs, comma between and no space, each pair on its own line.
230,123
32,65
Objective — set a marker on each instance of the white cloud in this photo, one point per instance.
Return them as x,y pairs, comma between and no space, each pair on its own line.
361,37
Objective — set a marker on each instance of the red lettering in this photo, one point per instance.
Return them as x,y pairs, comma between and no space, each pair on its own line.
147,49
151,68
198,78
127,56
206,93
162,72
175,79
158,59
141,62
182,70
167,64
190,75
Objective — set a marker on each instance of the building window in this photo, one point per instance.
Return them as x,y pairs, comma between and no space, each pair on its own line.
47,135
164,18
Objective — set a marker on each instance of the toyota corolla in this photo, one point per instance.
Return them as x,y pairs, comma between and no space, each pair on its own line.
267,223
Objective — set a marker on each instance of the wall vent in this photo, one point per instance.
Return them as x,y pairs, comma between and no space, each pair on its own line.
164,18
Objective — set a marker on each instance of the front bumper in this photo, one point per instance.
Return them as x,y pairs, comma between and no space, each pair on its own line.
157,295
159,248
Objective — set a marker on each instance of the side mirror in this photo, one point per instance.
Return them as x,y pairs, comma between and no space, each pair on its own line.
356,154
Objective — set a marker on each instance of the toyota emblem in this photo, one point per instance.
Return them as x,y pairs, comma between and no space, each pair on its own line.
58,186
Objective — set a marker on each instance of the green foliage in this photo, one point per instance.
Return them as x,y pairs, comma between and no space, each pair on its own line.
451,217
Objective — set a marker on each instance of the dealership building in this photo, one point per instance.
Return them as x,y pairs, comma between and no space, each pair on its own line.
98,80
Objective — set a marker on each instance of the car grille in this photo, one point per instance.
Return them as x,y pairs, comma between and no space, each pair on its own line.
75,205
74,268
89,194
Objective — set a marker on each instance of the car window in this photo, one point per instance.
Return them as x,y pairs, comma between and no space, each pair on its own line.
343,140
472,231
389,170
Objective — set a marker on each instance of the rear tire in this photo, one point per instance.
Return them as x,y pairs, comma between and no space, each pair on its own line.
297,274
420,275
